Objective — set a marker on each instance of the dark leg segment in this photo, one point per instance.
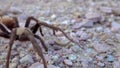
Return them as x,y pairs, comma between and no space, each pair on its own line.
28,21
4,35
53,32
56,29
49,26
35,27
42,42
40,29
36,46
12,38
3,28
16,21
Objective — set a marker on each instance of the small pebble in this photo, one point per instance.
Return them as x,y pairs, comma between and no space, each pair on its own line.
15,10
65,22
100,58
94,16
3,55
13,65
36,65
39,65
101,47
88,50
116,64
100,64
69,0
84,36
55,57
78,33
72,57
85,23
116,11
75,48
68,62
84,64
1,42
106,9
115,26
99,29
1,66
53,16
110,58
26,59
15,59
14,46
22,53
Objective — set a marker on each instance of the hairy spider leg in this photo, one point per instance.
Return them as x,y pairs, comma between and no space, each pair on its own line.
42,42
57,29
12,38
34,30
4,28
30,35
36,46
49,26
16,21
35,27
5,33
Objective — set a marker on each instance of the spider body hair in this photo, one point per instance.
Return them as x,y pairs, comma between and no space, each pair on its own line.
20,30
20,33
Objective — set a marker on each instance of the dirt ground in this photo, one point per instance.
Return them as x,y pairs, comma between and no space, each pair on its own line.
94,24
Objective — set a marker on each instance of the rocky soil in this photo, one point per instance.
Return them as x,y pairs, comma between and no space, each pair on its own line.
95,24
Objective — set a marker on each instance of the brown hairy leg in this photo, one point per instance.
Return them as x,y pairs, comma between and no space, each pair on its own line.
42,42
56,29
12,38
4,28
35,27
16,22
36,46
40,29
28,21
4,35
49,26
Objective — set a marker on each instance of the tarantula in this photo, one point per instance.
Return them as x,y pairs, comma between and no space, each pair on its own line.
10,29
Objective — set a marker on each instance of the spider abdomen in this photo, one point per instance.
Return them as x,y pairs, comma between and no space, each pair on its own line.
8,21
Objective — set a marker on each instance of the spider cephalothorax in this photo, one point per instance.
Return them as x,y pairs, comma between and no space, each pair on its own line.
10,29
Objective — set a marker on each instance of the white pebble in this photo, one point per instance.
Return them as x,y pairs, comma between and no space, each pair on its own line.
66,22
26,59
53,16
13,65
72,57
94,16
101,64
68,62
99,29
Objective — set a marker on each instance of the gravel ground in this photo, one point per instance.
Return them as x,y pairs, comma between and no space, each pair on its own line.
95,24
